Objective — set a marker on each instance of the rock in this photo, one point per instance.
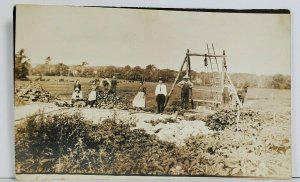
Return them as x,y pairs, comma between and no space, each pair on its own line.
33,93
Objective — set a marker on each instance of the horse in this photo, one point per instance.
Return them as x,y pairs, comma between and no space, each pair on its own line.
242,93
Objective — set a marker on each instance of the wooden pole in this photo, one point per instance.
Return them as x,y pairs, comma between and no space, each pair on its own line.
223,74
177,77
189,73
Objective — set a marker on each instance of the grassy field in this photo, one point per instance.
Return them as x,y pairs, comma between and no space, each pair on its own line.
64,89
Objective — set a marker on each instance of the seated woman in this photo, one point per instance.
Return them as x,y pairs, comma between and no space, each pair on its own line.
77,95
92,97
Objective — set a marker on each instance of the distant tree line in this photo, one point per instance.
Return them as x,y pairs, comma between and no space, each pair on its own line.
277,81
150,73
281,81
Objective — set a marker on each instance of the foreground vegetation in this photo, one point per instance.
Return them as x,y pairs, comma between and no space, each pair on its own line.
256,145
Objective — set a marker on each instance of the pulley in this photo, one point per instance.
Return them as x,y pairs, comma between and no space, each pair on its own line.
205,60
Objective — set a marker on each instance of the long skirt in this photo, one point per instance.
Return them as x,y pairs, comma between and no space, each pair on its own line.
139,100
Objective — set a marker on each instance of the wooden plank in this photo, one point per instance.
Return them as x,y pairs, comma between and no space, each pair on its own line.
199,89
203,55
208,101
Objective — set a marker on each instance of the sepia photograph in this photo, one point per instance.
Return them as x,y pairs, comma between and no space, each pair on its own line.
136,92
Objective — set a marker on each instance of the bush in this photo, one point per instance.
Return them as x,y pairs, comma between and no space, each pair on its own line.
62,143
70,144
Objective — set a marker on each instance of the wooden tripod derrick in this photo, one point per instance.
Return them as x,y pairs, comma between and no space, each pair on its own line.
216,68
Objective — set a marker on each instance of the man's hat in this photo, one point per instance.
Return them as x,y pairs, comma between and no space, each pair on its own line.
186,76
76,89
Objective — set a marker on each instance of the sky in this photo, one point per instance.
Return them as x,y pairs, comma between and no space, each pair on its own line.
254,43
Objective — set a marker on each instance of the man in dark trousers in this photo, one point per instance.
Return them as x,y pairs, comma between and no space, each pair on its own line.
160,93
185,86
114,83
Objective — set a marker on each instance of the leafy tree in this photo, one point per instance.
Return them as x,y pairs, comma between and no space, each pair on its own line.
137,73
151,73
41,69
22,65
48,64
281,82
48,60
60,69
82,67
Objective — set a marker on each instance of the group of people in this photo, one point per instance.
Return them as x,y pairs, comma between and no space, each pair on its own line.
161,94
139,102
228,92
105,85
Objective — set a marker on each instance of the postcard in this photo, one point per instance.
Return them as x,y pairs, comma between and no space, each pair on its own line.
126,93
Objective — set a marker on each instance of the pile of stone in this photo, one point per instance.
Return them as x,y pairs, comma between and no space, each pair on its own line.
104,100
32,93
61,103
110,101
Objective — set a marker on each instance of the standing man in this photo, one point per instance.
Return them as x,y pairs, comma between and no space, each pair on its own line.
114,83
160,93
185,86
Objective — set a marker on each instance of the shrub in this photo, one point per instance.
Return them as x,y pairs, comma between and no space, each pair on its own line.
68,143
